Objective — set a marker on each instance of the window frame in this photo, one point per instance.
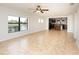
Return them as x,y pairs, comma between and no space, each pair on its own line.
19,25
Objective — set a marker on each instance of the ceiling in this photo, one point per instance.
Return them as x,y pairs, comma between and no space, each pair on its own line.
55,9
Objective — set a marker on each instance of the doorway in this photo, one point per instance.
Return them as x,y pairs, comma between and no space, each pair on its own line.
59,23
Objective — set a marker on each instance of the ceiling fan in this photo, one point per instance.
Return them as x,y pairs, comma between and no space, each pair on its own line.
39,9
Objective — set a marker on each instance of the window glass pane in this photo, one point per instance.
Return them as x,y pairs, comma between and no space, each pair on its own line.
23,27
23,23
23,20
12,24
12,19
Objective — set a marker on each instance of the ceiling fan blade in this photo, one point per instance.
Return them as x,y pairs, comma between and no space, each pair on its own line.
41,11
45,9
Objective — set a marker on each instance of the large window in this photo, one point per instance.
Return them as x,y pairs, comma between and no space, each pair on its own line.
16,24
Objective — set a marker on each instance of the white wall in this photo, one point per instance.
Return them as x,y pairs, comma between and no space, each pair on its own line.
70,23
34,26
76,27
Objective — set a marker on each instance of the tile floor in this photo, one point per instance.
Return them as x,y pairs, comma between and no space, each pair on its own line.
41,43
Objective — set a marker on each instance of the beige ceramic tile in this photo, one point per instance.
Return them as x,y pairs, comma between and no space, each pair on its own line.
41,43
